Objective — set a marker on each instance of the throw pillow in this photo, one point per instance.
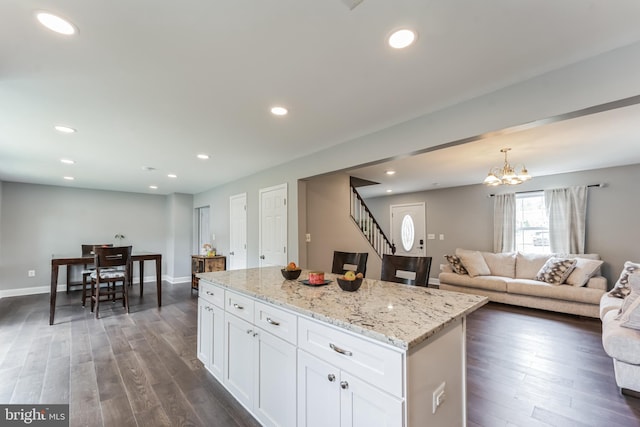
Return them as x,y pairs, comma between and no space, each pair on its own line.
585,270
556,270
621,288
456,264
634,293
473,262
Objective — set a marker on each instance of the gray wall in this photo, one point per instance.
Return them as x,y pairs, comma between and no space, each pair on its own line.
179,235
37,221
465,215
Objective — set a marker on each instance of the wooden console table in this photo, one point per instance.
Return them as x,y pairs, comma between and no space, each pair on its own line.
205,264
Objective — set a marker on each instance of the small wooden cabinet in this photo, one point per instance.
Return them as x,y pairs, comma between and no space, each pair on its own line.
205,264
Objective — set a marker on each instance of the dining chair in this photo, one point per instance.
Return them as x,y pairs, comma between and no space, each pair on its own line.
345,261
87,269
111,277
406,269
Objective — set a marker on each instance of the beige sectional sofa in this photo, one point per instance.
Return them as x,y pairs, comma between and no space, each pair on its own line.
510,278
621,338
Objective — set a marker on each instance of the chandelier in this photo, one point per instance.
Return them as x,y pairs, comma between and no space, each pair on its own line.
507,174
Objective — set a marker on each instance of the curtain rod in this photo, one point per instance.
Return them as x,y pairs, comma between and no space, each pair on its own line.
601,185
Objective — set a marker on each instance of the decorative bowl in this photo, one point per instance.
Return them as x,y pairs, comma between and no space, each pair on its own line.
349,285
290,274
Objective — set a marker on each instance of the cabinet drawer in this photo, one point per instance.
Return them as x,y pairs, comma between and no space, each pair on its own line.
276,321
378,365
239,305
211,293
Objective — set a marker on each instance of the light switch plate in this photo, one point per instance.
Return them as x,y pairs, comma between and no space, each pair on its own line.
431,236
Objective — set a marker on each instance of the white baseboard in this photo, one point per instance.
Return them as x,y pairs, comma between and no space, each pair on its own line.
433,281
63,288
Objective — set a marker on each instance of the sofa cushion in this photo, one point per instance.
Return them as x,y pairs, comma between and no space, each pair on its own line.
621,288
584,270
609,303
502,264
491,283
556,270
456,264
528,265
620,343
546,290
473,262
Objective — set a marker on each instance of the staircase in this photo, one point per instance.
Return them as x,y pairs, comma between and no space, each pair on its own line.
368,225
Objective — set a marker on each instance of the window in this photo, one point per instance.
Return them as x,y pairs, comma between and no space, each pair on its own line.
532,223
408,233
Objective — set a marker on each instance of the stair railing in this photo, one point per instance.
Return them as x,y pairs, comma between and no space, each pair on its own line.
368,225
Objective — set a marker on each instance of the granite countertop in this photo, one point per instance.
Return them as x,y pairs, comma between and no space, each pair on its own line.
397,314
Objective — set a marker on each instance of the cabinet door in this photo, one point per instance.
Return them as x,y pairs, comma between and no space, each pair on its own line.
239,358
318,392
362,405
205,332
216,355
275,389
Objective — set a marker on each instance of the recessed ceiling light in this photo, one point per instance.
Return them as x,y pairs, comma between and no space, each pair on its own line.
279,111
67,161
390,172
64,129
69,178
203,156
172,175
55,23
402,38
153,187
389,191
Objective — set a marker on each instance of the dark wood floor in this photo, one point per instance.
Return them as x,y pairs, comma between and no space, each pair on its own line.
525,367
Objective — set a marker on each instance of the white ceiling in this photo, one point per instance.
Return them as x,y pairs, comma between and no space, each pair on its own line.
153,83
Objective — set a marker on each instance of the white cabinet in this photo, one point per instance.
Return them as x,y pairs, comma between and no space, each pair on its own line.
329,396
211,330
260,368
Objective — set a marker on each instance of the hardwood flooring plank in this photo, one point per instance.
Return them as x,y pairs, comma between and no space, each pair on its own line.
56,384
176,406
141,394
154,417
117,412
84,399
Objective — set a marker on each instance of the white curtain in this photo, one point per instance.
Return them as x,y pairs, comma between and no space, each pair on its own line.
504,222
567,212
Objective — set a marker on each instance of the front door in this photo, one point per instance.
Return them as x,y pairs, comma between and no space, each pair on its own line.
238,231
408,227
273,226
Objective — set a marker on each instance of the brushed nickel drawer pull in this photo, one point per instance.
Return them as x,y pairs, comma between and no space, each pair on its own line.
239,307
210,293
273,322
339,350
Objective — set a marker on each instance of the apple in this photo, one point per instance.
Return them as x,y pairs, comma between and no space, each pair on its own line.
291,266
350,275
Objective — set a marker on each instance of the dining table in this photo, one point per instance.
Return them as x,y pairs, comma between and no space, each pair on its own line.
140,257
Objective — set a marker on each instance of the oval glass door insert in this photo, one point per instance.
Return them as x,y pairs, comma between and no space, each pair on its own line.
407,233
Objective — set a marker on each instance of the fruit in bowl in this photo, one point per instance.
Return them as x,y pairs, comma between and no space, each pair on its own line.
350,281
291,271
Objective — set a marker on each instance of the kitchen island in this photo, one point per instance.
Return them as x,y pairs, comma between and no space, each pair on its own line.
387,354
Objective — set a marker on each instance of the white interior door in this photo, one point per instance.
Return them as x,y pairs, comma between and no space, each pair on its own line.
273,226
408,225
238,232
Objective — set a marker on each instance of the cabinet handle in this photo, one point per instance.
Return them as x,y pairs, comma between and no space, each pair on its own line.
231,253
273,322
255,334
210,293
331,377
339,350
239,307
344,385
249,331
